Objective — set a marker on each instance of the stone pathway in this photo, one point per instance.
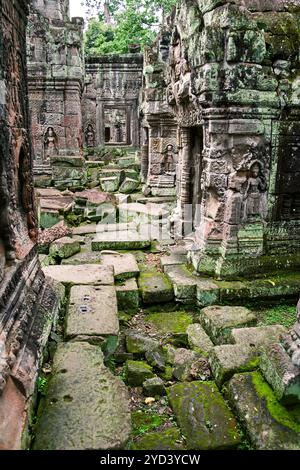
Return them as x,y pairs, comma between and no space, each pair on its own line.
150,358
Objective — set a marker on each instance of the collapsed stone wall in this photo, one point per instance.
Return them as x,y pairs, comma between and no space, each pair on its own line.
234,88
56,76
27,302
110,102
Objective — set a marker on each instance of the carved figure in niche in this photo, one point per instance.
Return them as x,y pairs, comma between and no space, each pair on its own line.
50,144
168,165
256,185
90,136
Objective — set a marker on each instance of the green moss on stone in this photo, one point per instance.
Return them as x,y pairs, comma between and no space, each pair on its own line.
170,322
278,412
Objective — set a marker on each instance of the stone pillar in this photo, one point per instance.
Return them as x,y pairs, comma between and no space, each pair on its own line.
27,302
145,154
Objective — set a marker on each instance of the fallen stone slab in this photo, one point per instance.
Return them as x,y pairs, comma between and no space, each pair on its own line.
198,340
101,227
92,311
281,373
125,265
269,425
129,185
110,184
155,288
203,416
145,212
86,406
94,197
173,324
129,240
167,439
128,295
189,288
218,321
81,274
64,248
154,387
86,256
173,259
136,372
138,343
230,359
258,336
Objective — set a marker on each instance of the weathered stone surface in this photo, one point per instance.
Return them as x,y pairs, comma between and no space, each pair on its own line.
86,407
189,288
119,241
168,439
203,416
219,321
92,312
269,425
81,274
188,365
86,256
258,336
125,265
129,185
111,184
154,387
281,373
138,343
128,295
155,288
64,248
173,259
229,359
136,372
198,340
85,229
173,324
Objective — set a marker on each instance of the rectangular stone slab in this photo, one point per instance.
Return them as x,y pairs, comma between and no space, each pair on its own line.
269,425
92,311
81,274
119,241
86,406
218,321
128,295
203,416
125,265
258,336
155,287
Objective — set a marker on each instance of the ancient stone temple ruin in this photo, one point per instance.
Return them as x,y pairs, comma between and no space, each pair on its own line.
111,100
233,85
28,303
55,81
149,231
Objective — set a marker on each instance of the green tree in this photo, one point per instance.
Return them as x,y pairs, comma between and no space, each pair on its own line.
128,22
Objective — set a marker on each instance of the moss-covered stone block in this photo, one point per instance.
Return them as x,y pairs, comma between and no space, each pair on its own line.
128,295
64,248
203,416
136,372
138,343
154,387
269,425
198,340
172,324
155,288
218,321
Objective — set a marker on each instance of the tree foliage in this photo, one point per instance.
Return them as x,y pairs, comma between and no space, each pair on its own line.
121,23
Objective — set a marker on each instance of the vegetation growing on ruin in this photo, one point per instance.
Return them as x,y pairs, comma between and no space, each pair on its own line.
119,24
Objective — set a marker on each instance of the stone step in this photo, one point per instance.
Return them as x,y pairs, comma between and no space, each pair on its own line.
189,288
218,321
155,288
145,212
125,265
269,425
203,416
92,312
86,406
129,240
86,256
81,274
115,227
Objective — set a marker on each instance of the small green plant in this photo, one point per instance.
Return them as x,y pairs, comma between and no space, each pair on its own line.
42,385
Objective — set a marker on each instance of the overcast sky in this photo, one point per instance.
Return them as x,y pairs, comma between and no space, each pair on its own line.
75,8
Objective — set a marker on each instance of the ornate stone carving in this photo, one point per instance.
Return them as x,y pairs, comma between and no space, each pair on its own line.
50,144
90,136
